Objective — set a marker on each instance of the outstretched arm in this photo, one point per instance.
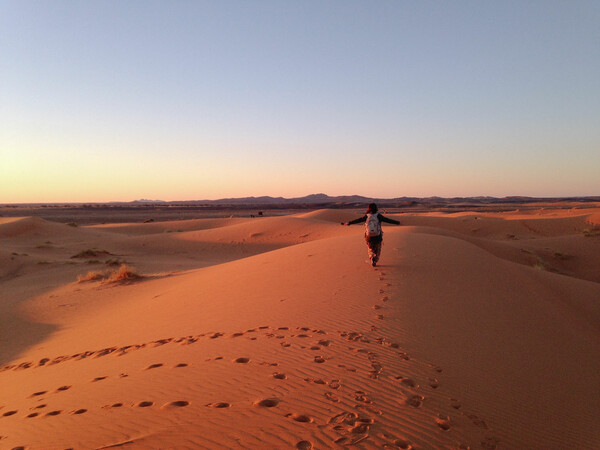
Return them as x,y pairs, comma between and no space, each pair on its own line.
382,218
359,220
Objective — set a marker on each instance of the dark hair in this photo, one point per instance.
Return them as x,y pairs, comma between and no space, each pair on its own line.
372,209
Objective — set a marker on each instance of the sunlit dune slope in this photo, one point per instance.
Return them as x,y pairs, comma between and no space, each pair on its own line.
294,341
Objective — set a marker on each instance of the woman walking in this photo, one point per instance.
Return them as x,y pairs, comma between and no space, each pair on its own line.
373,234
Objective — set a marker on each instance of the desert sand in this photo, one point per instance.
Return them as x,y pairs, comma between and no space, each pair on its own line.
477,330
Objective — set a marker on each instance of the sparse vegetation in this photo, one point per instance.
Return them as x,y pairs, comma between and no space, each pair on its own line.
92,276
539,264
91,253
93,261
561,256
72,224
123,273
114,262
592,232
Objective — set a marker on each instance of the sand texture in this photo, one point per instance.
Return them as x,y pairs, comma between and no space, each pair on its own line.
475,331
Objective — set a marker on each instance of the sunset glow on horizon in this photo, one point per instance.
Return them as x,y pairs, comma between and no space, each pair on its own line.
112,101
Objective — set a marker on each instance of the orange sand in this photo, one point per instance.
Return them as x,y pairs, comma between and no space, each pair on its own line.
476,331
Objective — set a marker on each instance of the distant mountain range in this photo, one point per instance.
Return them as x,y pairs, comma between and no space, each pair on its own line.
322,201
350,200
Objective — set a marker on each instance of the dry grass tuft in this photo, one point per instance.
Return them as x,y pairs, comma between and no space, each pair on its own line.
123,273
93,275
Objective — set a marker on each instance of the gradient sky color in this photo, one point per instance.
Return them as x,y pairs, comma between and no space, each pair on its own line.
180,100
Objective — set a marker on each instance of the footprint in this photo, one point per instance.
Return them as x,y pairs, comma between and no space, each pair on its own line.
116,405
176,404
279,376
181,365
380,316
443,423
99,379
219,405
242,360
34,414
54,413
331,397
385,298
415,401
361,396
301,418
361,428
154,366
79,411
319,359
434,383
145,404
403,444
477,421
376,306
335,384
455,403
409,382
267,402
304,445
9,413
36,394
65,388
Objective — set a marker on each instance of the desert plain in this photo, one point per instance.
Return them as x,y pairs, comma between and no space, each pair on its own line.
476,330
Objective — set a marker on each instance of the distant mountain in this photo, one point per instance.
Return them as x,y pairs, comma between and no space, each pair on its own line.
321,199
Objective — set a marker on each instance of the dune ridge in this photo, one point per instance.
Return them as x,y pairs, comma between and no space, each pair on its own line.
273,332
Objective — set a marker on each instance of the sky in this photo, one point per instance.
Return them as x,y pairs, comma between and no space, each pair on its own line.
180,100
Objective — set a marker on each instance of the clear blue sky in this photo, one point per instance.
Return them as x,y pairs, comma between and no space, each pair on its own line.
179,100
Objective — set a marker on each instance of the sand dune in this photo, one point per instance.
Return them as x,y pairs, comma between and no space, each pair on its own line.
477,331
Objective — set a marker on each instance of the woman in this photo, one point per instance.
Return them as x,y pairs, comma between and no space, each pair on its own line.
373,233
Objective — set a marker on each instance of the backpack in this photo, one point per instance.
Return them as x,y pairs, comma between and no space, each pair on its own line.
372,225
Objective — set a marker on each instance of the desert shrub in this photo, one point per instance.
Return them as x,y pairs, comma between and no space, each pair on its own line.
123,273
92,261
94,275
72,224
